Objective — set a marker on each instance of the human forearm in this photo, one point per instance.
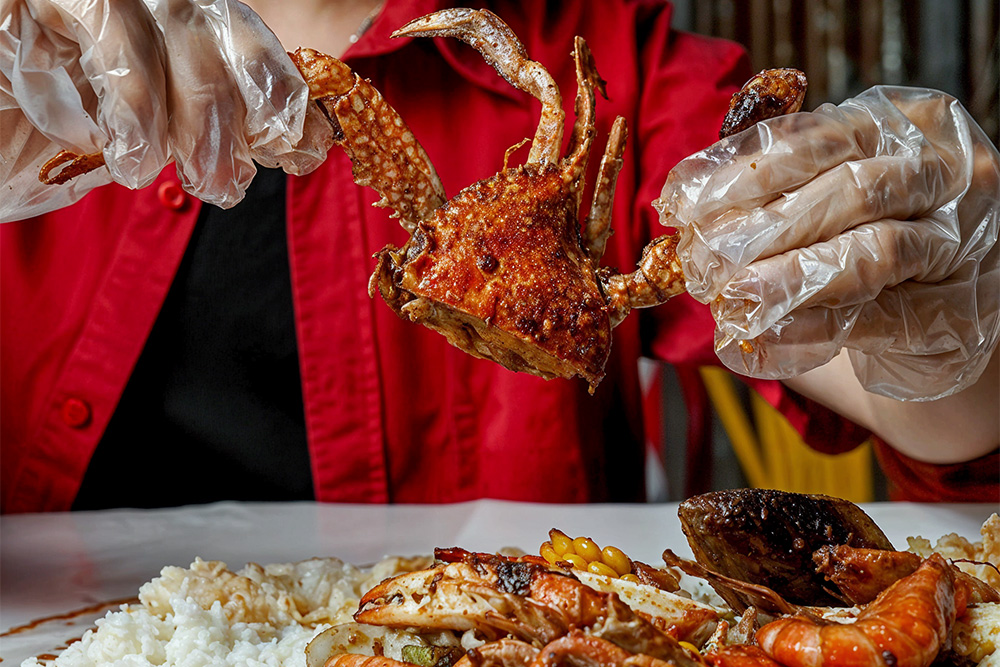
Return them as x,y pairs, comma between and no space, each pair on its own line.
960,427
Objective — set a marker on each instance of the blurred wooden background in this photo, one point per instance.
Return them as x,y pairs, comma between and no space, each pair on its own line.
847,46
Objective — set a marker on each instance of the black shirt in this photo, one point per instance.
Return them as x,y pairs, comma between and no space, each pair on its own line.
213,409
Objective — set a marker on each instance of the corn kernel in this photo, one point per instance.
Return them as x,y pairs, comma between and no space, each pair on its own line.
586,547
575,560
548,553
691,647
630,577
597,567
561,542
616,559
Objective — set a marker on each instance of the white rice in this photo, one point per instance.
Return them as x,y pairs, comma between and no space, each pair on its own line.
207,615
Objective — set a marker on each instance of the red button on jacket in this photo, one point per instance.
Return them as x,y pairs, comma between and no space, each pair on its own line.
75,413
171,195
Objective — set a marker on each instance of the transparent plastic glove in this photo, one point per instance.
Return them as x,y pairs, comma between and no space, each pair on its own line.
870,226
203,83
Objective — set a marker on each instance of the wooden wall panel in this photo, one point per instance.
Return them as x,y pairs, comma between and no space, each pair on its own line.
847,46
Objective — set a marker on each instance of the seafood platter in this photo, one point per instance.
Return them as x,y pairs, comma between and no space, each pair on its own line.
777,579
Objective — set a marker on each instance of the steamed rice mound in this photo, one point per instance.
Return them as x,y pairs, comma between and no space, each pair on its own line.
980,559
209,615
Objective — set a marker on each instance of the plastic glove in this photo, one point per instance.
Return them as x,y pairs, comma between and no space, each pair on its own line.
201,82
871,226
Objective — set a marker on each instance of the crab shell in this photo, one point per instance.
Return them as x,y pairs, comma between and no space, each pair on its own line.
500,271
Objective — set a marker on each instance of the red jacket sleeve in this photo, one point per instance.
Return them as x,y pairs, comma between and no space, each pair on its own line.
976,481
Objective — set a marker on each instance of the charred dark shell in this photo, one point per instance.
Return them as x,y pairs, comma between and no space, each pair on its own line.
768,537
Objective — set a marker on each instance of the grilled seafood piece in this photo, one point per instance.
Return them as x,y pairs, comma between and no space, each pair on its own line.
859,575
498,596
906,626
575,648
651,597
505,269
768,538
679,617
355,660
501,269
772,92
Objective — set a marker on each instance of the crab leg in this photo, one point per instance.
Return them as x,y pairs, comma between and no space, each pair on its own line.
484,31
658,278
587,80
597,229
385,155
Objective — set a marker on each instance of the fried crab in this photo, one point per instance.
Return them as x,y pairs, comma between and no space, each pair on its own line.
505,270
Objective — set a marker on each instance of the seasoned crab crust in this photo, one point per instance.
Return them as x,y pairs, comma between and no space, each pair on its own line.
506,253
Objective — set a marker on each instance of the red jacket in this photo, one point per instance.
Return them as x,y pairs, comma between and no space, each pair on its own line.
393,413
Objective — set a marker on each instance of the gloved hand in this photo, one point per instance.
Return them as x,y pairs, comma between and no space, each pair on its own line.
870,226
202,82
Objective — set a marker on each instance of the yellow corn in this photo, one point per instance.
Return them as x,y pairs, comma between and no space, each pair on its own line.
548,552
575,560
691,647
584,554
561,542
586,547
597,567
616,559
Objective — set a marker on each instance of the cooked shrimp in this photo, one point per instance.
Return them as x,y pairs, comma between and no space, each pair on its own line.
861,574
905,626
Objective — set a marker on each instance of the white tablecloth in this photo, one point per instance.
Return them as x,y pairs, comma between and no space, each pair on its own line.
56,563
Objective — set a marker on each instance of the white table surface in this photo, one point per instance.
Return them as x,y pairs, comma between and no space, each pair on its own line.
55,563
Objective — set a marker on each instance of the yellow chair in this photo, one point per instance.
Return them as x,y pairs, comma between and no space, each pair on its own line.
772,454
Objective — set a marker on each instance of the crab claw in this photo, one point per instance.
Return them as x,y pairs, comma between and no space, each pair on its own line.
487,33
384,153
